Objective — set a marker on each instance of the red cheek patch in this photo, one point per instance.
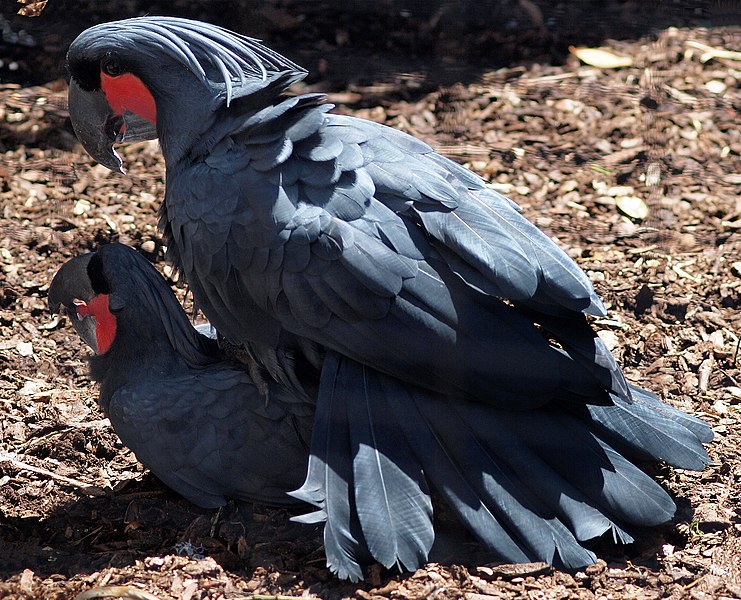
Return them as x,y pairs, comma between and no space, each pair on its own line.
105,322
128,92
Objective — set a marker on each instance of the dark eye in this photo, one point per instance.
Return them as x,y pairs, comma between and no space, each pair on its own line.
112,68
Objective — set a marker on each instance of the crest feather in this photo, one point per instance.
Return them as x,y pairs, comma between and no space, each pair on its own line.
216,55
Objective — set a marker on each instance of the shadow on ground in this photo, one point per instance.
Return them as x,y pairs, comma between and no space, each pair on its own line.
423,44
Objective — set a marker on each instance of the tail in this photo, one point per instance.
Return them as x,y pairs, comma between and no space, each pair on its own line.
363,477
648,429
530,485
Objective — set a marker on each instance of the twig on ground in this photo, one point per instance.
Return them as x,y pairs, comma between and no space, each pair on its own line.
125,592
86,488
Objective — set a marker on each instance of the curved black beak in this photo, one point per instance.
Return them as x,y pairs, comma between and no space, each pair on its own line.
85,327
95,125
98,127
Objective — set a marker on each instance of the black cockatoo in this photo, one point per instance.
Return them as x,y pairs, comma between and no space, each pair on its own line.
450,333
195,419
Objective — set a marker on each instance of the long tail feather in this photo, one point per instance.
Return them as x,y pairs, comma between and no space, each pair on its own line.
649,430
503,489
613,484
391,495
531,485
328,483
528,483
363,477
447,476
577,511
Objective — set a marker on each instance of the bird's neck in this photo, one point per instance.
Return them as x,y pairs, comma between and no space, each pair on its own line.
132,359
181,127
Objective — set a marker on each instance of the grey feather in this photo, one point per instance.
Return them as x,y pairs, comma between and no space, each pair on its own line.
646,430
238,59
363,475
329,483
319,147
431,281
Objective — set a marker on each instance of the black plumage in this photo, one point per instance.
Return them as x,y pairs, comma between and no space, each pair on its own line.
189,414
442,321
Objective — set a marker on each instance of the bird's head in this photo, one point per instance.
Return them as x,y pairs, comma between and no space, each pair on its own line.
81,290
118,302
150,77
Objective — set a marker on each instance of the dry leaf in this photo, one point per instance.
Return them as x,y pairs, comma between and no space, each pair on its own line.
602,59
632,206
25,348
714,86
81,207
30,8
31,388
709,53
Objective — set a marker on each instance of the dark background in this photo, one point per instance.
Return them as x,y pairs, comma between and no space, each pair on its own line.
424,43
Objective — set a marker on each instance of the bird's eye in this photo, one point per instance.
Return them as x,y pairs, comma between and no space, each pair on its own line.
112,68
81,309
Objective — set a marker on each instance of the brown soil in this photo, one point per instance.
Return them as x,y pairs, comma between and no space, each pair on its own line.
567,141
